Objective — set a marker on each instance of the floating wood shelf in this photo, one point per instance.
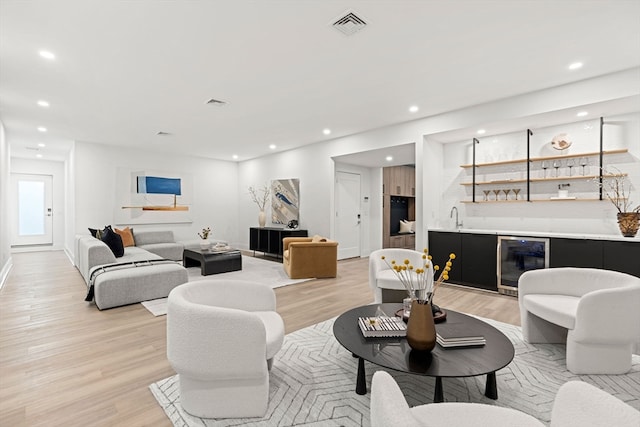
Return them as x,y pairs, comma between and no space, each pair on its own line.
539,159
553,178
537,200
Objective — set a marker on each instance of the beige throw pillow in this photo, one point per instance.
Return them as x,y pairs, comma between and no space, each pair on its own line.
127,236
405,227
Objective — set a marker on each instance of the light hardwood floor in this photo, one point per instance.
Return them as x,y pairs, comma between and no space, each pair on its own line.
63,362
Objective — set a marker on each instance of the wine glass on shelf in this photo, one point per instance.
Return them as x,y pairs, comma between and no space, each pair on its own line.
506,192
571,163
516,191
584,161
496,192
556,165
486,194
544,165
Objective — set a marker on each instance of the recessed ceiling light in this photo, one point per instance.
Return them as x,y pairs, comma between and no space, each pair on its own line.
481,131
235,157
575,65
388,158
43,103
272,146
582,113
41,144
42,129
326,131
46,54
413,109
39,156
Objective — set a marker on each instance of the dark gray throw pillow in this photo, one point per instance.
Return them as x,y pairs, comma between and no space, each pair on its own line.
98,233
114,241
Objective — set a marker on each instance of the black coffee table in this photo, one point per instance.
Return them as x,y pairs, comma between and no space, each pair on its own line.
212,261
395,353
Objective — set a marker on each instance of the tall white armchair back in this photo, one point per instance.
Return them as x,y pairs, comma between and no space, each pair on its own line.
382,277
220,335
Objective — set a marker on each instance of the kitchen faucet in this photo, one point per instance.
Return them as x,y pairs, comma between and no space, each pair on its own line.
458,224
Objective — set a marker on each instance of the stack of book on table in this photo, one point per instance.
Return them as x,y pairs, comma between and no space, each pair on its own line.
451,334
382,326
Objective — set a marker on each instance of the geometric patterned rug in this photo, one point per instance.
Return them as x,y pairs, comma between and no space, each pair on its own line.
312,383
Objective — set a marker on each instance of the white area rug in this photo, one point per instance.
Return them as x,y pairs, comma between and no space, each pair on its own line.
312,383
254,269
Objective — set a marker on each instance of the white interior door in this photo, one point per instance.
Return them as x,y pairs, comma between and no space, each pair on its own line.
32,218
348,214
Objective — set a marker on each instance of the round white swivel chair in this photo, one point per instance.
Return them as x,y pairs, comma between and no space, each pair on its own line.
222,336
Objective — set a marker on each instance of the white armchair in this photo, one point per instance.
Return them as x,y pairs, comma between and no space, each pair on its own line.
596,311
390,409
221,338
577,404
381,276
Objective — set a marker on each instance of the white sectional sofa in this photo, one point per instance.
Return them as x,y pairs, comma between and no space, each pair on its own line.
146,271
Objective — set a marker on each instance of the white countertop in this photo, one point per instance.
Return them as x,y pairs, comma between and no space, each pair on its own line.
615,237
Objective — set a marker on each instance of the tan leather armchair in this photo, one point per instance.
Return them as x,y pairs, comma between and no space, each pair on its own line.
305,257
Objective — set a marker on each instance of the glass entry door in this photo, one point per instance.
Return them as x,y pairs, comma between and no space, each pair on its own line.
33,215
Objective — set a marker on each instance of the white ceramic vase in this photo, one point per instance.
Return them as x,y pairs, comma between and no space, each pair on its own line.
205,244
262,219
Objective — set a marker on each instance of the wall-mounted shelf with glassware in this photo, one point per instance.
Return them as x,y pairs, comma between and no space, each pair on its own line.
549,158
561,170
552,178
555,199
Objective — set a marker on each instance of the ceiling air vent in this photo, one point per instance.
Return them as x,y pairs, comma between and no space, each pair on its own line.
215,102
349,24
161,133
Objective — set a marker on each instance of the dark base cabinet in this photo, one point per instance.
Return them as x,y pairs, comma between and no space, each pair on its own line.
269,239
621,256
478,261
606,254
441,244
575,253
475,263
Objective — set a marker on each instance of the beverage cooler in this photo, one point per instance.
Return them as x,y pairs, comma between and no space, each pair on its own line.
517,255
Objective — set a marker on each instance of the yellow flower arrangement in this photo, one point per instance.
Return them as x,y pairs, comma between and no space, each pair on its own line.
416,281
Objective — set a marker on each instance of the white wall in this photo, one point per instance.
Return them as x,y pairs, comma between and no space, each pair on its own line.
223,202
370,205
215,198
56,170
312,166
70,203
5,231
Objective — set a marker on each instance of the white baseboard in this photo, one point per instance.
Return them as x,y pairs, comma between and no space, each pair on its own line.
6,268
69,255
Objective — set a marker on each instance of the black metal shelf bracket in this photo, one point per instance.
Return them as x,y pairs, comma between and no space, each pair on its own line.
473,185
601,156
529,134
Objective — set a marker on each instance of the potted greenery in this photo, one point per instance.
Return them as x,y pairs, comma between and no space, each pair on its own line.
617,189
204,235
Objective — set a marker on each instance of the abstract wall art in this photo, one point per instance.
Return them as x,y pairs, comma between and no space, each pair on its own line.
152,197
285,200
